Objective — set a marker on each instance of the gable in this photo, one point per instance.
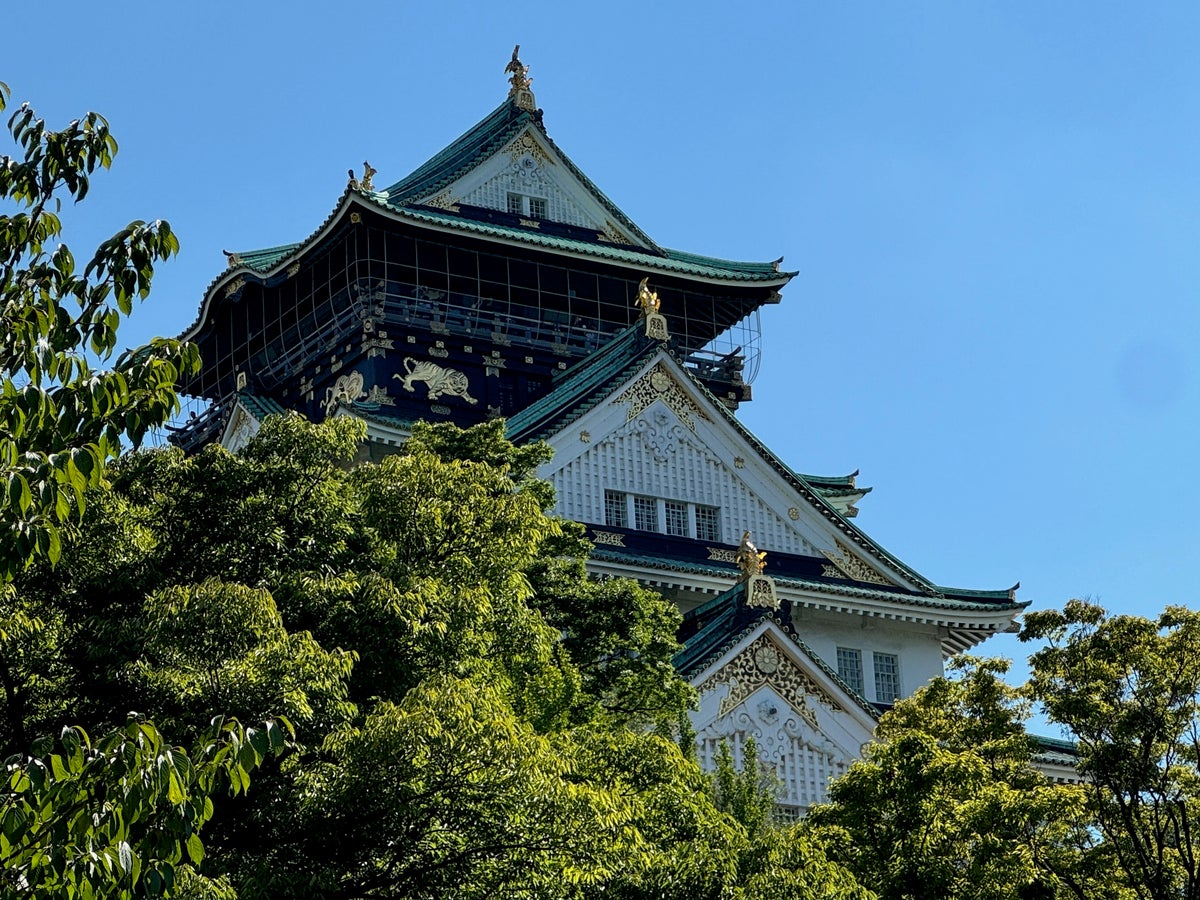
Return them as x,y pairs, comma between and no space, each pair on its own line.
245,420
658,435
529,170
805,723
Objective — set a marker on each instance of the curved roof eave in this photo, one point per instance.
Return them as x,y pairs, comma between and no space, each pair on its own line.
829,588
243,270
376,203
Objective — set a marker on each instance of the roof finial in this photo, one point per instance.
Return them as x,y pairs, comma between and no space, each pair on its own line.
520,81
750,560
760,589
656,323
363,183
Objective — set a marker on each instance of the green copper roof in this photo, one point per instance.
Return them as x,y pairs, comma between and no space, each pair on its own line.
263,260
674,261
967,604
261,407
670,260
480,141
485,138
582,386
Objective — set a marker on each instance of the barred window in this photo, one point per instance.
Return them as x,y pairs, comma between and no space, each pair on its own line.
677,518
537,208
645,514
708,526
516,204
887,678
849,663
615,515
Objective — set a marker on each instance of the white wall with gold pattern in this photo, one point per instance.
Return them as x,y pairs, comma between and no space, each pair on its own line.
803,724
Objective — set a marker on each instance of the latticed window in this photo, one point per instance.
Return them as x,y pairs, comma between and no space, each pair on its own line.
677,518
615,514
537,207
887,678
849,663
708,527
645,514
516,204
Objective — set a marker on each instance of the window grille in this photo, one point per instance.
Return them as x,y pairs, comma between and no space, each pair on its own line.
516,204
677,518
850,670
615,515
887,678
708,525
537,208
645,514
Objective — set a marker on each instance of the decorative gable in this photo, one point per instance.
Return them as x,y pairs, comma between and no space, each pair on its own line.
529,178
659,437
803,722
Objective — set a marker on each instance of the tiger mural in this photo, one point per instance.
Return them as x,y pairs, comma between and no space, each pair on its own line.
438,379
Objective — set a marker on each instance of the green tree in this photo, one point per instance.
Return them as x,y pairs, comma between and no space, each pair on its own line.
111,817
61,418
457,731
946,802
115,818
747,795
1128,689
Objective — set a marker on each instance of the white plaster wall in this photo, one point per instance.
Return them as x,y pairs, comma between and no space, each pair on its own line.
805,759
665,459
917,647
560,206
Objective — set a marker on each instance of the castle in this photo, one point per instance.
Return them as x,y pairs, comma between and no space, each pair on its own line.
498,280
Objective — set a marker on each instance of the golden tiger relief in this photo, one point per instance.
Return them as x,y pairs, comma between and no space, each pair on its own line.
438,379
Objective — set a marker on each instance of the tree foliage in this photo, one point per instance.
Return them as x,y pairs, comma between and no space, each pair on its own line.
1128,688
61,418
947,802
82,818
473,716
116,817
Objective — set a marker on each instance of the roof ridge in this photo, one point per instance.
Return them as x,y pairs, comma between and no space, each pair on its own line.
506,114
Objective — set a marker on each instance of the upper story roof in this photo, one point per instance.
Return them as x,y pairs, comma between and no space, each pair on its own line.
504,181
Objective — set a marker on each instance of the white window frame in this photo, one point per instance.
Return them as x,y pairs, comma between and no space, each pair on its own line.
616,501
714,520
679,510
649,507
881,676
629,505
850,668
525,204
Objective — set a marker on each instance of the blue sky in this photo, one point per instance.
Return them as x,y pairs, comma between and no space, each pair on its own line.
993,207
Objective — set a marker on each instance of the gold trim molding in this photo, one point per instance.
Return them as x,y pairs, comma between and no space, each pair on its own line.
657,384
763,664
609,538
847,565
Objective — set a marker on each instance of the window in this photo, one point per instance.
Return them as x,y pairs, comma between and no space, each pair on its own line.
615,515
674,517
708,523
849,663
887,678
521,205
645,514
677,518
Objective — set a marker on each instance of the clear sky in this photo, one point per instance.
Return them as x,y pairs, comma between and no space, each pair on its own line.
993,207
